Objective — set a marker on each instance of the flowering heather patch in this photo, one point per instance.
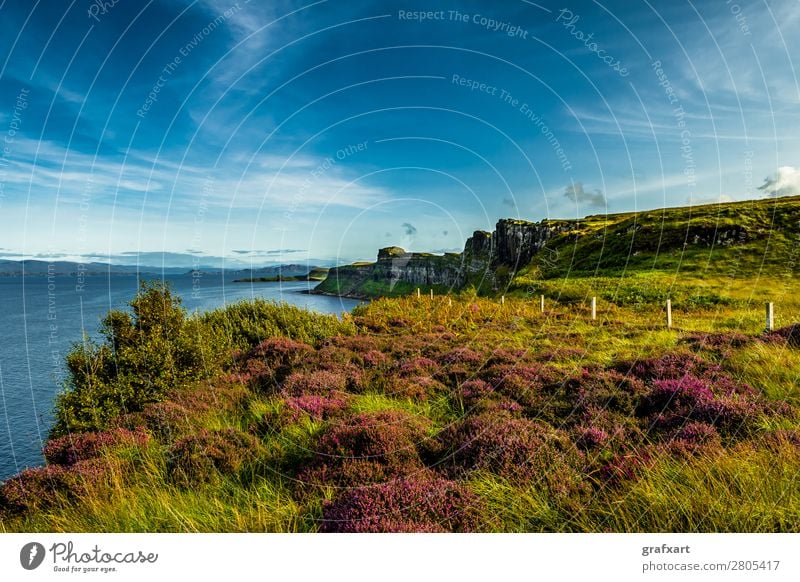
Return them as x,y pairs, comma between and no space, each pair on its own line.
272,359
49,486
789,336
201,457
464,356
626,467
720,343
375,359
419,366
589,438
166,420
503,356
321,382
473,391
316,406
682,396
70,449
670,403
511,447
622,432
606,389
694,438
417,388
525,384
462,363
408,505
671,366
369,448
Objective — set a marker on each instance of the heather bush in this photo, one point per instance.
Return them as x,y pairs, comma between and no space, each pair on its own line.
50,486
417,388
272,360
606,389
721,344
419,366
460,364
625,467
524,384
204,456
166,420
369,448
591,438
672,402
694,438
788,335
375,359
518,448
412,504
321,383
622,432
316,406
70,449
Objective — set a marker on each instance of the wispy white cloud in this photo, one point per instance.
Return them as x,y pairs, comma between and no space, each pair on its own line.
785,182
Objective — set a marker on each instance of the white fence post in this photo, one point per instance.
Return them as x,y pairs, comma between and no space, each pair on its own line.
770,316
594,308
541,303
669,313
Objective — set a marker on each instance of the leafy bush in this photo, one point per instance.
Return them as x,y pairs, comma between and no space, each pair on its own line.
248,323
145,353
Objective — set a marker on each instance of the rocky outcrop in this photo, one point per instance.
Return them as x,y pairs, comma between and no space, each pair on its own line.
396,272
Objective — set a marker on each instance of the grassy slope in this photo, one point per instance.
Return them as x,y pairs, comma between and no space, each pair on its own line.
745,482
746,485
723,242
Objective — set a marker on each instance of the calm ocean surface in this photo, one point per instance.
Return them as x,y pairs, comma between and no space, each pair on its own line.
38,326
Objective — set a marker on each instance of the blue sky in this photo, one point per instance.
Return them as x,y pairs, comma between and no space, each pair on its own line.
282,131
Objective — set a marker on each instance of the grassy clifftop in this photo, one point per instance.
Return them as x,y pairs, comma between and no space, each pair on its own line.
717,242
736,239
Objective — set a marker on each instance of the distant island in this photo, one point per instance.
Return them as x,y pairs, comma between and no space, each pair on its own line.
315,274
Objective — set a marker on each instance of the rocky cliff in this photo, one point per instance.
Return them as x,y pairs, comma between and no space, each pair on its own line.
397,272
725,240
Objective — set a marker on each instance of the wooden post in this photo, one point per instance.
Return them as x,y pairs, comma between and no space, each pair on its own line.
770,316
541,303
594,308
669,313
502,300
431,293
418,293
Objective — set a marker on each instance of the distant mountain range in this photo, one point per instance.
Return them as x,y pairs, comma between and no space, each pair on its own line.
9,268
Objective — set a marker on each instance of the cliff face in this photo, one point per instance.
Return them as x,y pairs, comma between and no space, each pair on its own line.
516,241
397,272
